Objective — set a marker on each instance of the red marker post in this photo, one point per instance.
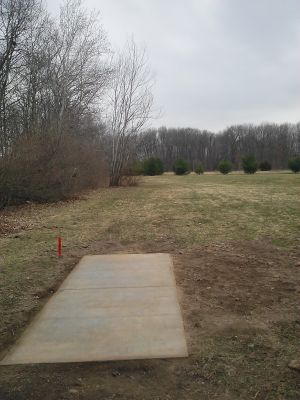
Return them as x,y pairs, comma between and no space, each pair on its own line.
59,240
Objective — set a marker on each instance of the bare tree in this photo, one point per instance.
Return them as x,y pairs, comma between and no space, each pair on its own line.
53,72
15,18
130,106
79,72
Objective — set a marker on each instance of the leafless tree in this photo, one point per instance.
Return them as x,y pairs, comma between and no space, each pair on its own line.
15,18
79,72
53,72
130,106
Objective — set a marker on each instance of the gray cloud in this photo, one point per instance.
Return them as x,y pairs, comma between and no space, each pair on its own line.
217,62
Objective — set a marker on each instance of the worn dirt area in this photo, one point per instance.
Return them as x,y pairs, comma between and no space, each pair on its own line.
240,305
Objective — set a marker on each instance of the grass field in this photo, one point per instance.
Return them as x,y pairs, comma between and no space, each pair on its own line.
236,248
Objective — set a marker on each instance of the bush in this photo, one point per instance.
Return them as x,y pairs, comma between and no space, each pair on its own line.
50,168
249,164
131,173
225,167
180,167
265,166
135,168
153,166
294,164
199,169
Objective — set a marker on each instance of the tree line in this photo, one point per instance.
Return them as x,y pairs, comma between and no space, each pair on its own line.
70,106
274,143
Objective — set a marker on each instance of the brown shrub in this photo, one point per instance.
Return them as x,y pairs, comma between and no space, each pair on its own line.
50,168
129,180
131,173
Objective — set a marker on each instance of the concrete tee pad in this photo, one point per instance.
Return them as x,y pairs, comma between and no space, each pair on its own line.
110,307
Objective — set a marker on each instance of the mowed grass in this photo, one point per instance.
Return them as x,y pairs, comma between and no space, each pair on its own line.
238,300
186,210
211,208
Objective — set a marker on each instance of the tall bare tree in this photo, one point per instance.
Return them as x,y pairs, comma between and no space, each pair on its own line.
79,73
15,18
130,106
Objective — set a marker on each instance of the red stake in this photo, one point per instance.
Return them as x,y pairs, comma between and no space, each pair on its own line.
59,246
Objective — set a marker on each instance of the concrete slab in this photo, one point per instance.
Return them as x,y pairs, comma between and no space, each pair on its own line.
111,307
113,302
122,270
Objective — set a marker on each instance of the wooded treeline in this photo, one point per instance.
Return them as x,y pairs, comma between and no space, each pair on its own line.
276,143
70,106
52,71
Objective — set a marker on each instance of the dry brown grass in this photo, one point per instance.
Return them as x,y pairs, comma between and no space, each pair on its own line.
234,240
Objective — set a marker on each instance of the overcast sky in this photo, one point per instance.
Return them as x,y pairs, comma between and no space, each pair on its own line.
216,62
